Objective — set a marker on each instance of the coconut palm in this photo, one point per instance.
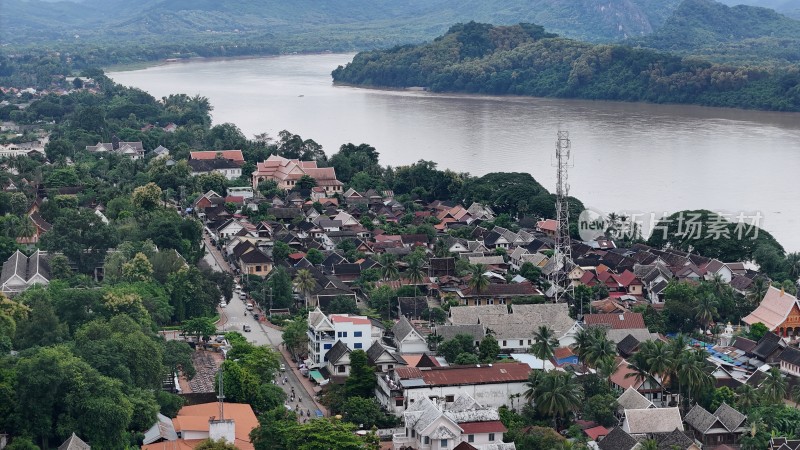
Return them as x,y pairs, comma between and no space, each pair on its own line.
793,263
544,343
557,394
639,370
693,374
606,368
601,349
304,282
757,291
584,339
649,444
479,280
706,310
658,357
747,397
796,395
531,386
773,388
433,341
388,264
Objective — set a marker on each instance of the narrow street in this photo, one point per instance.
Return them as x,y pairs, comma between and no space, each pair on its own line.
233,318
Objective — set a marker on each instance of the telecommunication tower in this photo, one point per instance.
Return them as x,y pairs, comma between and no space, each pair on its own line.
562,254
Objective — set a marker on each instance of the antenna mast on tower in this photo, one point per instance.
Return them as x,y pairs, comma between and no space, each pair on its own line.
563,251
221,395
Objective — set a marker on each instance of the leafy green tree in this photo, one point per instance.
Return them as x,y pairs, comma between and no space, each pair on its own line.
466,359
169,404
137,269
315,256
192,293
199,327
295,336
460,343
342,305
773,388
273,429
305,183
146,197
722,395
22,443
56,389
601,409
43,328
210,444
489,349
82,237
364,412
361,382
213,181
280,251
757,331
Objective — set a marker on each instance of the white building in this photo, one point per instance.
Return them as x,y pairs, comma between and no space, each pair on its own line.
21,272
493,385
324,331
433,425
407,339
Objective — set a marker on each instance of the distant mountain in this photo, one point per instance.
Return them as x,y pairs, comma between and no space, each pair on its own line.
740,33
789,8
388,21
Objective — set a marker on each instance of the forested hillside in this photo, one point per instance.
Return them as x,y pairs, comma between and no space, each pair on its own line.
712,30
789,8
525,60
313,25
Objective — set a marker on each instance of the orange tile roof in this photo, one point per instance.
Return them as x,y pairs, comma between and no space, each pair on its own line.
235,155
358,320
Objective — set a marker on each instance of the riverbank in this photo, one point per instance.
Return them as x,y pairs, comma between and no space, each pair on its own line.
130,67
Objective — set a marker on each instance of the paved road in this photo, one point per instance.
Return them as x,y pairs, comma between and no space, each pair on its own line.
233,318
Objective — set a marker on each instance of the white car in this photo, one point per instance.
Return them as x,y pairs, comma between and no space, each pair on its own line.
223,304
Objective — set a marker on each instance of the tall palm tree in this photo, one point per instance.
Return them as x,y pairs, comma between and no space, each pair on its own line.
693,373
747,397
793,263
658,357
388,264
706,310
639,370
584,339
773,388
414,273
544,343
531,385
304,282
479,280
757,291
606,368
558,394
601,349
796,395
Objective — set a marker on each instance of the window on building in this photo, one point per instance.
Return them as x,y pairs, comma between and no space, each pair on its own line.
443,443
341,334
258,268
449,398
399,402
530,342
491,437
490,302
340,369
471,438
327,346
521,342
389,366
505,344
357,345
356,334
427,440
413,433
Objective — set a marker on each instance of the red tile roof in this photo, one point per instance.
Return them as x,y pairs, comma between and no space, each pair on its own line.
235,155
547,225
562,352
466,375
494,426
626,278
622,321
358,320
596,432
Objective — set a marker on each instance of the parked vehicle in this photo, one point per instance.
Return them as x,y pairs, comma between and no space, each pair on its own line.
247,328
282,367
249,306
223,304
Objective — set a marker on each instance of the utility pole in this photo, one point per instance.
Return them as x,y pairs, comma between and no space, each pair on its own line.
562,254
